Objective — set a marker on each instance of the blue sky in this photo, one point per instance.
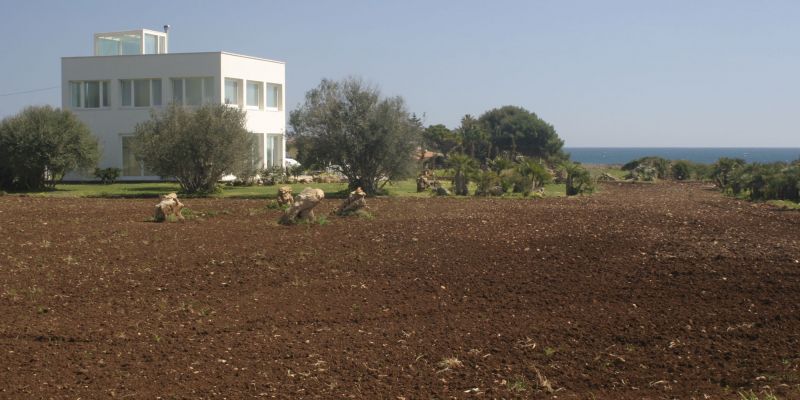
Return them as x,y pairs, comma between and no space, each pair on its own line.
604,73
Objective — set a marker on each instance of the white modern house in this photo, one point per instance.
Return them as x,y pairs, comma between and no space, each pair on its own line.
132,73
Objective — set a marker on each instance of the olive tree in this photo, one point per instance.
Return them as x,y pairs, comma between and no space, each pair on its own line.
195,146
348,126
40,145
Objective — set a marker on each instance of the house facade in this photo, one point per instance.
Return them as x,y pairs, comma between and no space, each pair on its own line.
131,73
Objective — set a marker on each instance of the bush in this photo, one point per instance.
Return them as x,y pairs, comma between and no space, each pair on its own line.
578,179
529,176
274,175
775,181
107,176
486,181
681,170
660,166
40,145
643,172
196,146
723,170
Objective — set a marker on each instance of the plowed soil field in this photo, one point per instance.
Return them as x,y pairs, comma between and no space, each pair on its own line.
638,292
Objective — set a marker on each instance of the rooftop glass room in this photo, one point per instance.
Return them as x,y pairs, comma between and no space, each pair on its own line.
142,41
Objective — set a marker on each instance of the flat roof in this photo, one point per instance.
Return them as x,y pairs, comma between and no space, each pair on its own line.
172,54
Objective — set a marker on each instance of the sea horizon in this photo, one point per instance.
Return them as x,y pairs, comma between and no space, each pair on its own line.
621,155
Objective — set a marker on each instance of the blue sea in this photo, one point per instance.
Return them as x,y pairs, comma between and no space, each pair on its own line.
621,155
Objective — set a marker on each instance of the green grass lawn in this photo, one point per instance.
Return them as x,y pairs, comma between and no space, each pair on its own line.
405,188
784,204
595,170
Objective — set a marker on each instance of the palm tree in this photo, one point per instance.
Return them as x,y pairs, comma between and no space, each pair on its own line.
462,166
578,179
533,175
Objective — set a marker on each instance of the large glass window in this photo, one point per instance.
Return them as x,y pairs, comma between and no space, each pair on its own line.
156,91
274,148
75,94
208,90
177,91
126,88
192,91
258,150
131,166
150,44
89,94
253,94
130,44
232,91
140,92
273,96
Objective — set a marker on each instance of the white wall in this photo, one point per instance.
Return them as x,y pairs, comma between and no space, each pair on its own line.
109,124
254,69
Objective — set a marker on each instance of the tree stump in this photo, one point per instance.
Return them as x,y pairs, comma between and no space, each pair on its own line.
354,202
285,195
302,208
169,206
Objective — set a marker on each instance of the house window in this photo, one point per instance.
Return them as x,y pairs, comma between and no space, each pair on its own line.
259,150
89,94
192,91
274,148
140,92
233,91
273,96
131,165
254,94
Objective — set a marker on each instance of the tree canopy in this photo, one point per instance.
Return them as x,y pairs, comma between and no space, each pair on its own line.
40,145
196,146
517,131
348,126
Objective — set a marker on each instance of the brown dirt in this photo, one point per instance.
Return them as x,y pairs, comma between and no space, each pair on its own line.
642,291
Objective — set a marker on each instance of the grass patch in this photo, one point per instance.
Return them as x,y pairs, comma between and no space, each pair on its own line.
518,384
449,363
404,188
596,170
784,204
750,395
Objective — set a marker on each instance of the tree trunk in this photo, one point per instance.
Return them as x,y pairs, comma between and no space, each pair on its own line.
460,183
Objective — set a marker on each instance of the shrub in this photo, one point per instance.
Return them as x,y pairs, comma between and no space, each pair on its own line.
723,169
643,172
775,181
531,175
196,146
578,179
486,181
107,176
40,145
681,170
274,175
660,166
